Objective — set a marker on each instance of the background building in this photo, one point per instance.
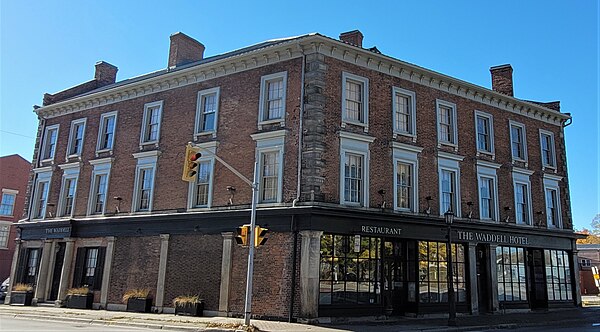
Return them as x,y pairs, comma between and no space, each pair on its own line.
359,157
589,258
14,176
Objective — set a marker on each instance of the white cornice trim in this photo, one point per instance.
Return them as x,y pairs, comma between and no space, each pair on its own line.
269,135
70,165
451,156
208,145
153,153
358,137
108,160
552,177
10,191
488,164
522,171
407,147
42,169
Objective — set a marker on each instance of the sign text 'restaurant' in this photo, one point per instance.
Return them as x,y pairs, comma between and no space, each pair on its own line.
381,230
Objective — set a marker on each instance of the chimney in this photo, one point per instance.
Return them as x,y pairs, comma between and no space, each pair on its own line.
502,80
184,49
105,73
353,37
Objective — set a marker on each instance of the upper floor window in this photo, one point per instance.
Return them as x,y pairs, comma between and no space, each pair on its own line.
144,181
484,125
552,197
50,137
547,146
106,132
203,183
517,141
151,123
449,182
353,178
488,190
40,194
404,112
4,233
76,137
355,100
272,98
66,201
269,153
446,118
522,204
354,169
207,111
448,185
99,186
406,170
7,204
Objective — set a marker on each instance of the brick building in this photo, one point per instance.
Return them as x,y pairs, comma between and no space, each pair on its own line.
14,174
359,155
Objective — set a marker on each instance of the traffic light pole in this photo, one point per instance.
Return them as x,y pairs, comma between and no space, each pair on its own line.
248,304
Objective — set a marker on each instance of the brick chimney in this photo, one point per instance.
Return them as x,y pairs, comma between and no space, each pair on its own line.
106,73
184,49
353,37
502,80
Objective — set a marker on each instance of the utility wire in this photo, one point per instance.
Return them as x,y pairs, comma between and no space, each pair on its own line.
8,132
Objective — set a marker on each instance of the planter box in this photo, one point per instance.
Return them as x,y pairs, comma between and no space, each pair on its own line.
80,301
21,298
190,309
139,304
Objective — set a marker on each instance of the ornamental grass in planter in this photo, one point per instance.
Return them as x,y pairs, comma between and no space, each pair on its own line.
188,305
22,294
138,300
80,298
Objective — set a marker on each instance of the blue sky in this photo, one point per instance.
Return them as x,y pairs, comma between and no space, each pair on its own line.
553,46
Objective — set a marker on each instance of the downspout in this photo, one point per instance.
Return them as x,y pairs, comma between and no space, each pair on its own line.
294,264
36,165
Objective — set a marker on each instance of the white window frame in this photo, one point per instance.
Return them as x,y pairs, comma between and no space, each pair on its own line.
101,132
70,172
552,149
359,145
407,154
101,167
487,169
551,183
490,119
200,112
262,107
13,193
72,137
450,162
4,242
42,175
512,124
586,262
412,113
452,106
49,155
521,176
272,141
145,161
365,101
146,118
192,187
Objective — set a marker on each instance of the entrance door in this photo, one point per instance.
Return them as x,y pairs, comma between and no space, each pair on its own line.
394,278
537,278
58,263
483,278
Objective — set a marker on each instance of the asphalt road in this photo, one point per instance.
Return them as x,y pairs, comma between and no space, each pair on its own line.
27,325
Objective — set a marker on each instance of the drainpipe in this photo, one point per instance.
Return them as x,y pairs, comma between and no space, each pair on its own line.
37,164
294,264
300,129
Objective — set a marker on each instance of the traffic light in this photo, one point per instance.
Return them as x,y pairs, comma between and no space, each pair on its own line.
241,235
190,164
259,236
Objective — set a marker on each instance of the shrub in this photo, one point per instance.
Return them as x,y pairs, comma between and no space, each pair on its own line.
22,288
78,291
135,293
186,299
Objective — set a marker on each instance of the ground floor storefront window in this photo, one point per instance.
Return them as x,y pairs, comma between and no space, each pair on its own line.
433,275
558,275
510,271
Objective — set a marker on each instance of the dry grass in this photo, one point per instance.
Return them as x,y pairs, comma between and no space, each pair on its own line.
78,291
135,293
22,288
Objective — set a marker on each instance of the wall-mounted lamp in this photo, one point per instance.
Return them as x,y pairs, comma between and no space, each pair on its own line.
118,207
507,211
48,206
231,191
428,209
381,193
470,213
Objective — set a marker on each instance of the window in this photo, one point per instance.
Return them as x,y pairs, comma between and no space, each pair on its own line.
558,275
484,125
353,178
355,100
522,191
40,195
269,154
89,266
200,191
404,106
76,137
547,145
584,262
4,232
151,125
449,183
486,193
552,208
144,181
68,189
404,183
207,110
446,117
510,269
99,186
33,260
433,272
50,137
106,133
448,190
517,141
349,270
406,170
7,204
272,98
354,169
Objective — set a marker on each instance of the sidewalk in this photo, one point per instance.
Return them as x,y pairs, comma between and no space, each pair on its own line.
559,317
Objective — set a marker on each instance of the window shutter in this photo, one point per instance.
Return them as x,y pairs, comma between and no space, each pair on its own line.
21,266
79,267
99,268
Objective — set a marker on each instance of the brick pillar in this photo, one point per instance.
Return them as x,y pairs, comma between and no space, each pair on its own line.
310,255
13,270
65,274
576,277
162,272
473,279
226,265
110,251
40,289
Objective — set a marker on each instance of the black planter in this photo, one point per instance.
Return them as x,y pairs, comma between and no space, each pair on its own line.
139,304
21,298
80,301
190,309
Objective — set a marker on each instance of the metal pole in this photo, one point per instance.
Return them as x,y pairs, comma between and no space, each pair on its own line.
248,304
451,301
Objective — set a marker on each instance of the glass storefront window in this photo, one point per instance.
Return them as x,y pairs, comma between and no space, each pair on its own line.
433,282
510,271
558,275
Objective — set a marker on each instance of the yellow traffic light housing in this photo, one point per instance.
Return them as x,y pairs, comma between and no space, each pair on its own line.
241,235
259,236
190,164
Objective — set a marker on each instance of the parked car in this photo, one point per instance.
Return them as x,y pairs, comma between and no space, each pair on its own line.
4,289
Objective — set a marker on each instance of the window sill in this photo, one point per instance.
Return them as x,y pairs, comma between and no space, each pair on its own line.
448,144
270,204
145,144
109,151
356,123
403,134
486,153
549,168
281,122
212,133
